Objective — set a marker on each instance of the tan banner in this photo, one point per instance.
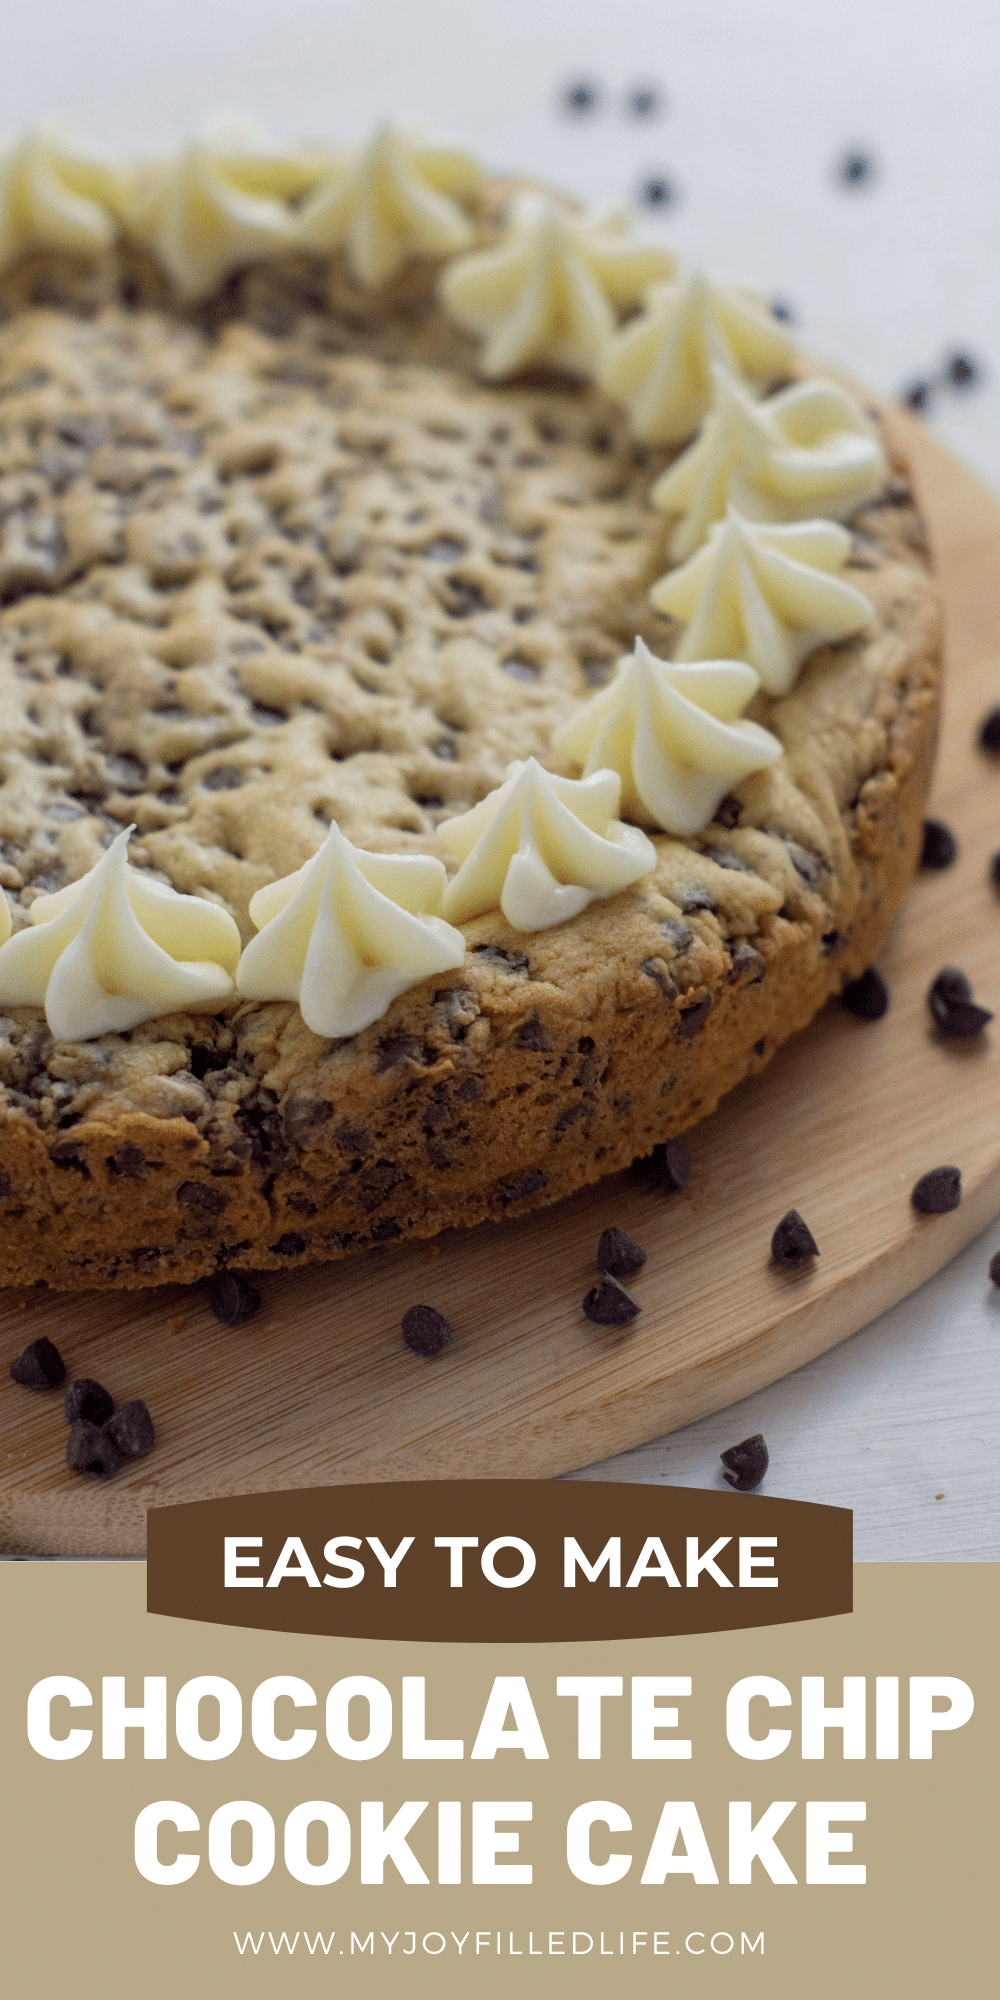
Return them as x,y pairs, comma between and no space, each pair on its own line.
500,1559
789,1811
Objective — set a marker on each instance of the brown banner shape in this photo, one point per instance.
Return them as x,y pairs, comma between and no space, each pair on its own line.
492,1560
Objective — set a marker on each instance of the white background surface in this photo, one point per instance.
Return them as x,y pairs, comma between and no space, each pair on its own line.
762,99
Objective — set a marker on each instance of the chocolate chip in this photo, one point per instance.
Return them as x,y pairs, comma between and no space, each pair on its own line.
85,1398
224,778
668,1166
657,970
867,997
744,1465
200,1198
780,309
90,1449
426,1331
995,1268
657,191
940,846
938,1192
953,1009
233,1300
746,963
793,1243
618,1256
41,1366
680,935
917,396
528,1184
290,1243
131,1430
130,1161
856,169
962,371
995,871
582,97
508,961
989,731
693,1018
609,1304
533,1034
645,100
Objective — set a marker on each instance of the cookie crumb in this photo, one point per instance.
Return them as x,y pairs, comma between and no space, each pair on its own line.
793,1243
86,1398
866,997
233,1300
938,1192
426,1331
940,846
41,1366
618,1256
744,1465
609,1304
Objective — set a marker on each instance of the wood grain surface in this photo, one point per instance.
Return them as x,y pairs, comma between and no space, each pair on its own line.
319,1388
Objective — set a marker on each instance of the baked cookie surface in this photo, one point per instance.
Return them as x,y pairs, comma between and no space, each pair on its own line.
286,561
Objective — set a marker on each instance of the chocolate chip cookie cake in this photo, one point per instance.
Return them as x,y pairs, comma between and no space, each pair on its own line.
468,694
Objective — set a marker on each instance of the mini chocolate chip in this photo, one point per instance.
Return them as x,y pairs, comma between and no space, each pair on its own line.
867,996
90,1449
41,1366
680,935
938,1192
85,1398
529,1184
618,1256
747,963
693,1018
695,900
953,1009
426,1331
233,1299
668,1166
131,1430
793,1243
609,1304
995,1268
744,1465
656,969
856,169
579,98
962,371
290,1243
940,846
989,731
657,192
917,396
201,1198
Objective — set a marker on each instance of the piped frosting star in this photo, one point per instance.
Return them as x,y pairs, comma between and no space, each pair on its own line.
223,204
346,934
675,735
550,290
56,195
767,595
541,848
114,949
660,364
807,450
398,199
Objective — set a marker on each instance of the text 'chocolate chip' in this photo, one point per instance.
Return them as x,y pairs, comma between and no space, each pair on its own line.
793,1243
938,1192
425,1331
744,1465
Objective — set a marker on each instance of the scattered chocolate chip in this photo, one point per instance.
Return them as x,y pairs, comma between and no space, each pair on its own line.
940,846
41,1366
618,1256
90,1449
917,396
233,1299
581,97
856,169
995,1268
609,1304
130,1430
962,371
645,101
657,191
938,1192
781,309
989,731
867,997
426,1331
744,1465
668,1166
953,1009
86,1399
793,1243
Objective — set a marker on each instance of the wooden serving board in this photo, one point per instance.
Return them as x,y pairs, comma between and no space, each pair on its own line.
319,1388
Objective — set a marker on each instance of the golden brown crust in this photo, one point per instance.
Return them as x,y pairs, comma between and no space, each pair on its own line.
185,600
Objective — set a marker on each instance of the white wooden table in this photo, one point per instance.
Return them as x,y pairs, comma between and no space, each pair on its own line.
889,276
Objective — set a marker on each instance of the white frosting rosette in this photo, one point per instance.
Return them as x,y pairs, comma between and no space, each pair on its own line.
675,735
398,199
550,292
765,594
541,848
660,364
115,949
57,194
346,934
